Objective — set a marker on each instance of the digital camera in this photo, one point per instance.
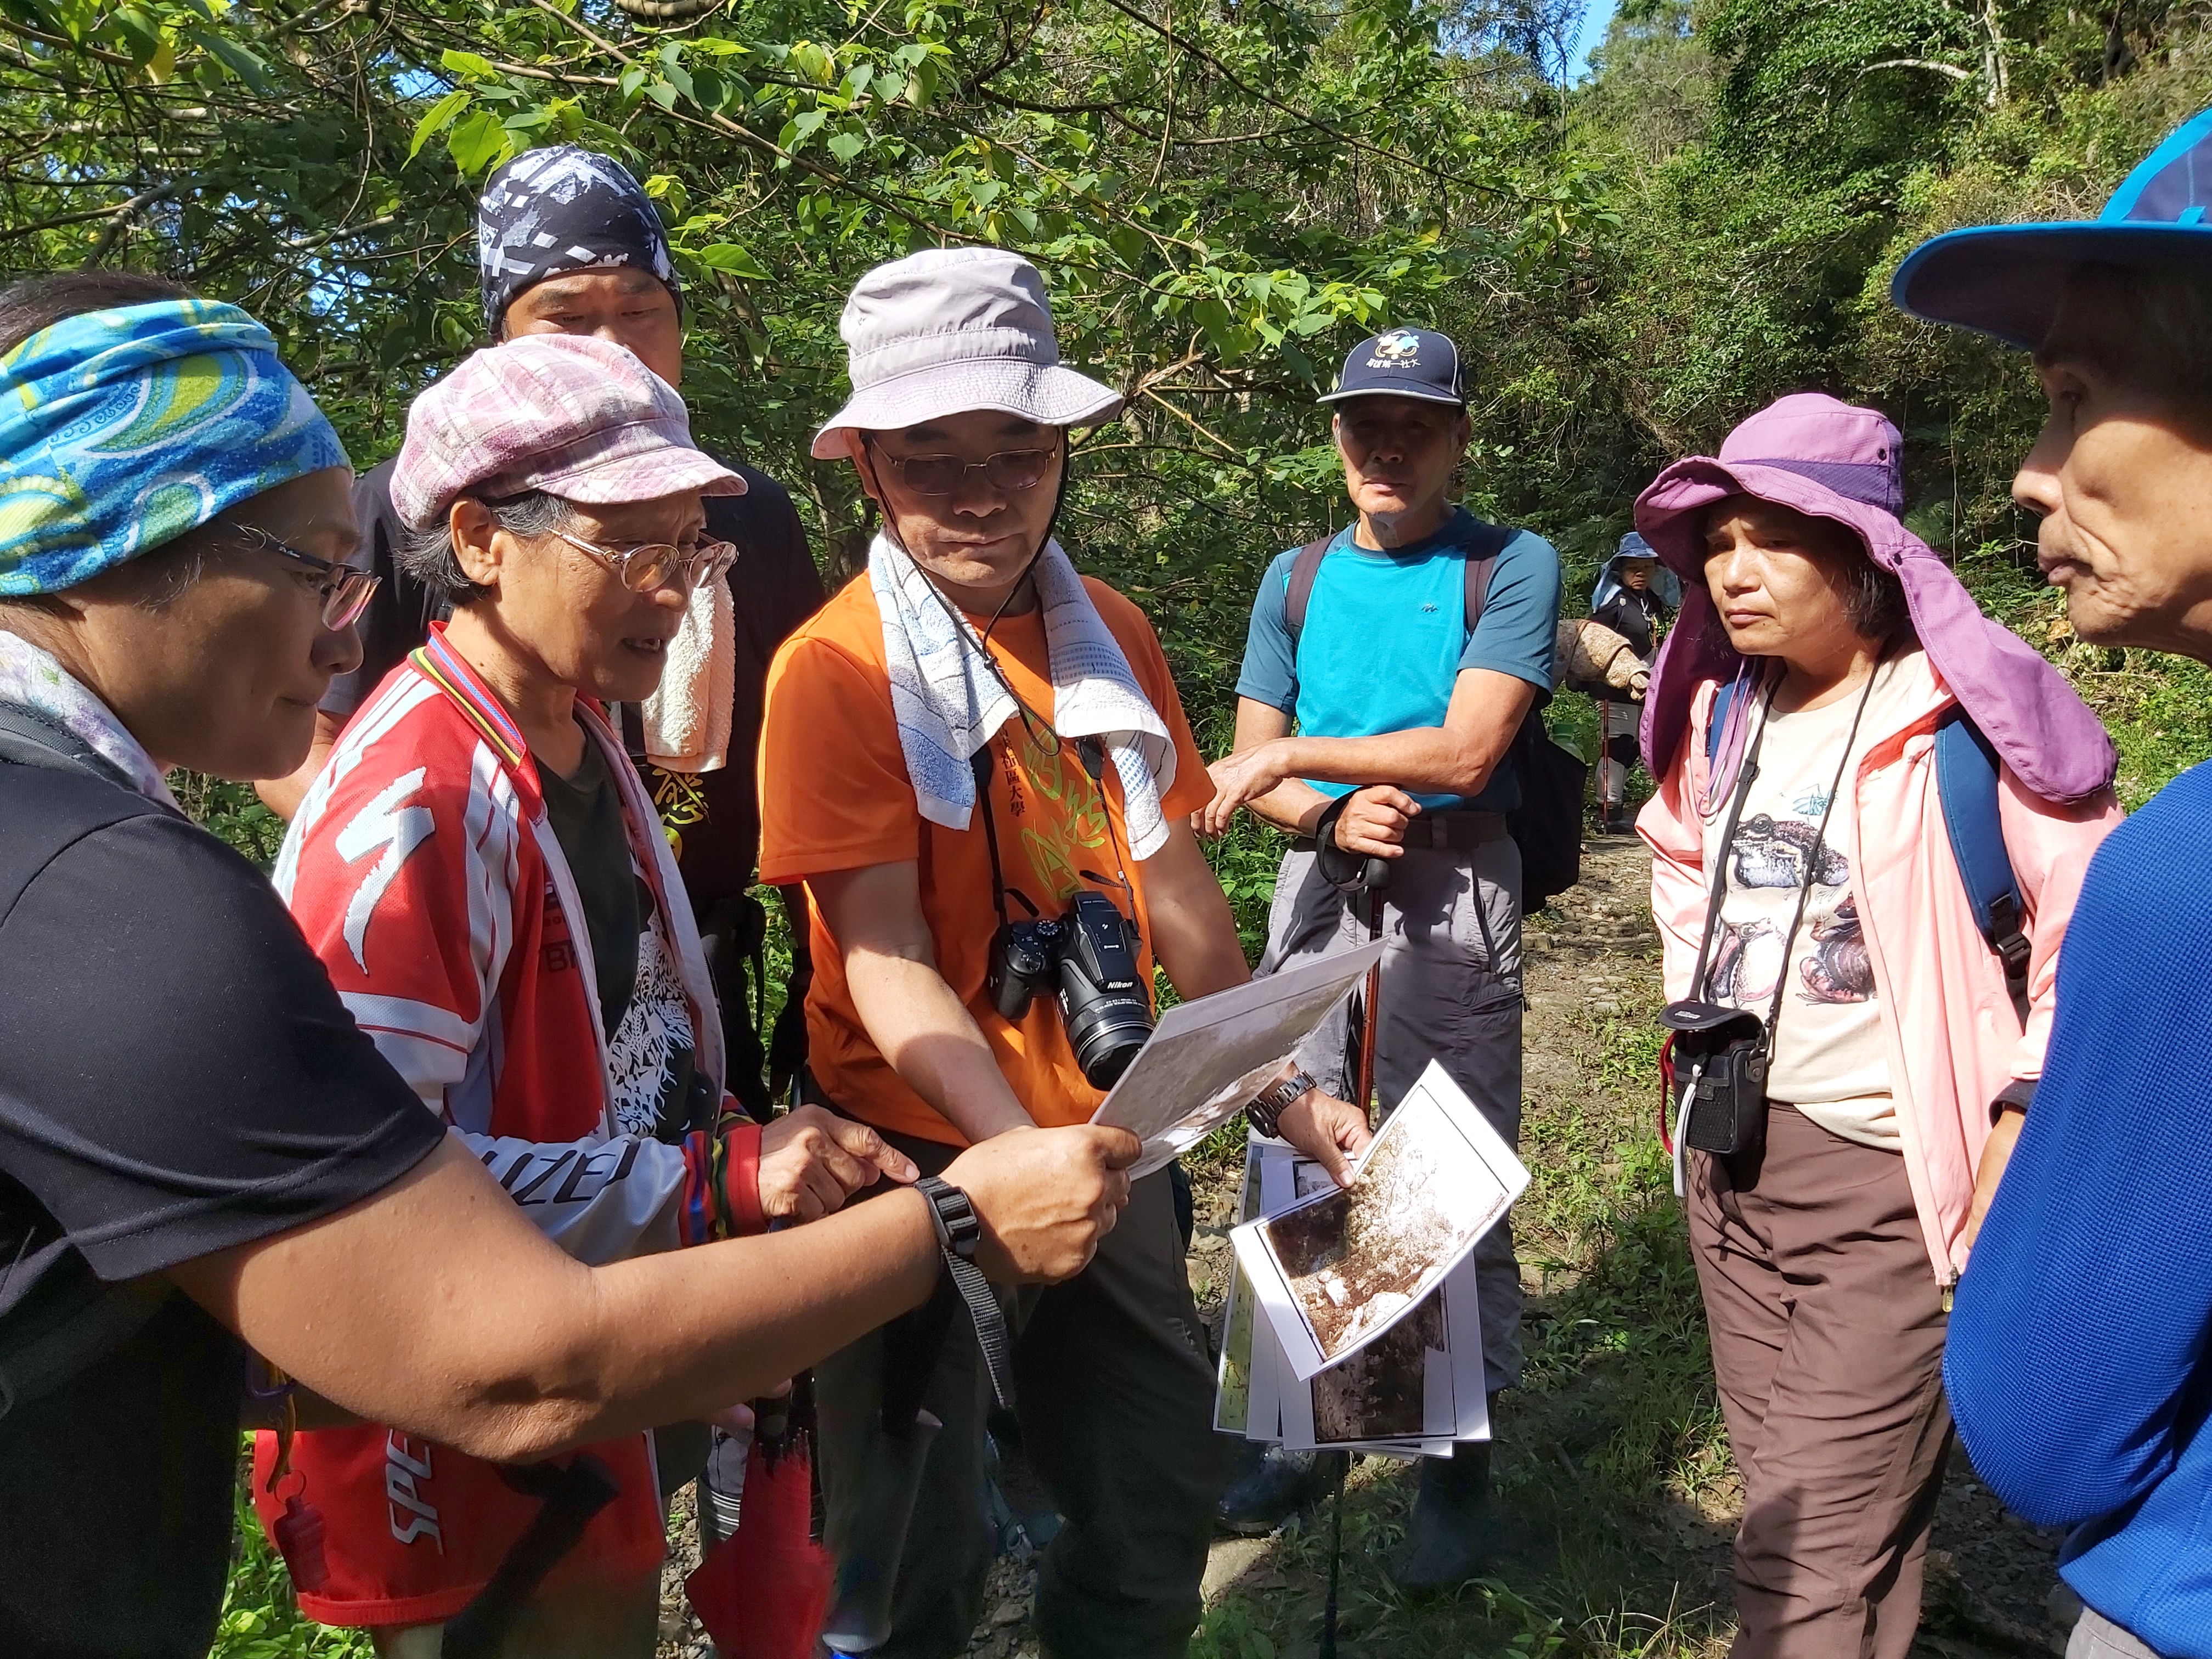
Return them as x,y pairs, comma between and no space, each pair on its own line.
1089,956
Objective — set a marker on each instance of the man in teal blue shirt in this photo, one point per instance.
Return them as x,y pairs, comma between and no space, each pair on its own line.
1404,709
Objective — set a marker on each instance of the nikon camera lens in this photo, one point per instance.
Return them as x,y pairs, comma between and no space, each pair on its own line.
1102,999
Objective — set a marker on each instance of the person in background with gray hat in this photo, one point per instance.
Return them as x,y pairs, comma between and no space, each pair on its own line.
1406,706
970,739
2078,1365
569,243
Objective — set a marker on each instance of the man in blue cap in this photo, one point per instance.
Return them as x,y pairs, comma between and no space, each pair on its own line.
1406,648
2077,1364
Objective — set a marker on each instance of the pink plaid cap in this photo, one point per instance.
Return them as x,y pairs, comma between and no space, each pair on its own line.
575,417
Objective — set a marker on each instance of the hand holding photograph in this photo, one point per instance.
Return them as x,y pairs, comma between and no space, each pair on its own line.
1205,1059
1335,1273
1414,1392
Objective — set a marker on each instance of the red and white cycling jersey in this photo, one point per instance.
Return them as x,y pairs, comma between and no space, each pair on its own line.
424,873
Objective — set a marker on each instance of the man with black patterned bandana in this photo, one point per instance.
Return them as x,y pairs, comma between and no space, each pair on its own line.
567,242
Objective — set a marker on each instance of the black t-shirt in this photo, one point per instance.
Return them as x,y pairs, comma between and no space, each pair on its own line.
177,1076
587,822
1635,617
714,817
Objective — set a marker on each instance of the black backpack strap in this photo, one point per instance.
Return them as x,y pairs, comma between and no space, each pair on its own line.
1483,548
29,739
1297,592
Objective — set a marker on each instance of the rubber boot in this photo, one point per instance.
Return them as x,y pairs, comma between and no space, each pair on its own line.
1457,1531
1271,1485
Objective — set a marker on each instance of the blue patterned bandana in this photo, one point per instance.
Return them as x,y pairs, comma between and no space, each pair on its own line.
121,429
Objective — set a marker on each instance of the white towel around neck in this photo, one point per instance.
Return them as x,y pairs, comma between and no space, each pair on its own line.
949,704
687,718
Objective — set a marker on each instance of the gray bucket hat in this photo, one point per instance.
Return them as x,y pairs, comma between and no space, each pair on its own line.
949,330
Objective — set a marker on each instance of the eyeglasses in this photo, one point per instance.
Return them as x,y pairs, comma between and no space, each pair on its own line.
648,566
1009,470
345,589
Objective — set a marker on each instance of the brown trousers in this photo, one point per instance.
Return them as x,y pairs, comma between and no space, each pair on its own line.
1827,1333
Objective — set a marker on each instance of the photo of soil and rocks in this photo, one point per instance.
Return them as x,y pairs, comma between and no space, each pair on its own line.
1356,1260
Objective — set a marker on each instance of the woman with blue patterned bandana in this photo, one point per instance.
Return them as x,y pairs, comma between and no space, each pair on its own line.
184,1103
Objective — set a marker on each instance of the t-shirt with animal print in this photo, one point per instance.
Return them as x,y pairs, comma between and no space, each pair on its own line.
1829,1059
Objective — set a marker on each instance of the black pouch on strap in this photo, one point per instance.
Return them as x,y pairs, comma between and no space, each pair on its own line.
1718,1057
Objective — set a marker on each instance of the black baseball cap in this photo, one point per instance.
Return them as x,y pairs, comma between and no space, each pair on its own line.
1403,363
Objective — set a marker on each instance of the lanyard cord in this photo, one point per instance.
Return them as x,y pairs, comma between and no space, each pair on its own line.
1813,854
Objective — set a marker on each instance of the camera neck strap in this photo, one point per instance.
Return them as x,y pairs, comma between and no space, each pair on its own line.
1092,755
1749,775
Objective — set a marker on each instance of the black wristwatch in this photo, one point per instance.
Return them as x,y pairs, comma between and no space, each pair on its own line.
960,1230
957,1228
1267,1107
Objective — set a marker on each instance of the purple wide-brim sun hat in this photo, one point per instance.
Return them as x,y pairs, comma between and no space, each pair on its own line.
2007,281
950,330
572,415
1816,455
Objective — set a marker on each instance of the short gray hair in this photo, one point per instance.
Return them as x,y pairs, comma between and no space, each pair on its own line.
429,556
2158,332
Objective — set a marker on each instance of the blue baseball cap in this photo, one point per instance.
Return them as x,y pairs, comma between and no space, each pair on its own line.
2006,280
1403,363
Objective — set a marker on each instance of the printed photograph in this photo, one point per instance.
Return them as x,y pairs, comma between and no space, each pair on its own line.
1232,1405
1356,1260
1381,1393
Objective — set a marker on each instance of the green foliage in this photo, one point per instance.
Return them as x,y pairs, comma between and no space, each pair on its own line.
260,1618
233,812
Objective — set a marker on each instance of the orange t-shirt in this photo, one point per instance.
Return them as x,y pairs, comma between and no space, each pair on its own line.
834,796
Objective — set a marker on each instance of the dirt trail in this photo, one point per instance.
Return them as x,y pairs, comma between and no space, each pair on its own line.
1592,979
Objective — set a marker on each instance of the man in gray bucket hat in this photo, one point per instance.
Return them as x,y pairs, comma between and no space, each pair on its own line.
969,741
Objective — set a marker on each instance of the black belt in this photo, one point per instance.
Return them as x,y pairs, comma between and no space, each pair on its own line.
1454,830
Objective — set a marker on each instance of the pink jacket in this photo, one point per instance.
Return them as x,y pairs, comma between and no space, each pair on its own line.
1954,1040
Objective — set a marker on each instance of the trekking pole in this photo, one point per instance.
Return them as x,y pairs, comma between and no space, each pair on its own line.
1327,1649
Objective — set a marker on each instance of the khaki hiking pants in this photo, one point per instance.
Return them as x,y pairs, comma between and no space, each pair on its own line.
1451,993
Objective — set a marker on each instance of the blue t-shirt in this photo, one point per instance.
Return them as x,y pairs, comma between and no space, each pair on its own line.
1385,638
2080,1359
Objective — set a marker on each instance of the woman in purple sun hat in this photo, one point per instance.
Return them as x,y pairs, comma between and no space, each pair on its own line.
1876,806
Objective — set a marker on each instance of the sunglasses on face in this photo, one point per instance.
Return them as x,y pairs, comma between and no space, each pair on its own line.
648,566
345,590
1010,470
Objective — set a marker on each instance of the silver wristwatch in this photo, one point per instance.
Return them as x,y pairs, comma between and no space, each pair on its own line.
1267,1107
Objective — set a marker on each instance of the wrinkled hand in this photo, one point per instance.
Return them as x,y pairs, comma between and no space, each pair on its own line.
1045,1197
1329,1131
1996,1153
1237,779
811,1161
1374,820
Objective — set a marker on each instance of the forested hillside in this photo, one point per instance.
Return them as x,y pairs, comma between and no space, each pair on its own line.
1225,194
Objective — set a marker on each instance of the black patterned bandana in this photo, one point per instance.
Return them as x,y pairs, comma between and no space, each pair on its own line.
553,211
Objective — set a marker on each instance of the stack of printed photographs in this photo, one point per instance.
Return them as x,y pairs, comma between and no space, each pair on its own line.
1352,1322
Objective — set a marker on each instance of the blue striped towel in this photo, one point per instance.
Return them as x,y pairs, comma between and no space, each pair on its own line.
949,704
